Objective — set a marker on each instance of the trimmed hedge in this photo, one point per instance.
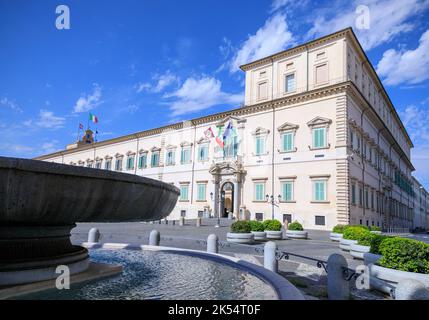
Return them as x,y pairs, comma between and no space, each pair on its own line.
241,227
375,228
375,243
366,239
272,225
256,225
295,226
404,254
355,233
339,228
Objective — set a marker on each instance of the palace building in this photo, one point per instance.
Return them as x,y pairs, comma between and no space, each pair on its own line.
317,141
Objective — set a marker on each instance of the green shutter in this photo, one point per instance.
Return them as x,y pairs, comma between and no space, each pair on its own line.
287,141
319,189
287,191
201,192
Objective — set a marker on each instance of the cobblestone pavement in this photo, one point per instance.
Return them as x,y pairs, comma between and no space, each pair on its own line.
303,273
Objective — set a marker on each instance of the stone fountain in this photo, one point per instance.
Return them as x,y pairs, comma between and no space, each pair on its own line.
40,203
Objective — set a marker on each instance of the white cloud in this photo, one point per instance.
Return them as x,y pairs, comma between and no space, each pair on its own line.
49,147
10,104
162,81
388,19
273,37
87,102
280,4
406,66
415,119
47,120
198,94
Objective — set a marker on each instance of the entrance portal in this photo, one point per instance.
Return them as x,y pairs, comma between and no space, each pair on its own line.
227,199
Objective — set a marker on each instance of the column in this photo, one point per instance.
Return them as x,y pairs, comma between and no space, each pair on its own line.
237,193
216,203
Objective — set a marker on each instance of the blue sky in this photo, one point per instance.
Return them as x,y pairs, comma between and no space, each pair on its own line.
141,64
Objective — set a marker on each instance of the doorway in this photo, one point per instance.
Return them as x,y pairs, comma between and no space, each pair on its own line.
227,199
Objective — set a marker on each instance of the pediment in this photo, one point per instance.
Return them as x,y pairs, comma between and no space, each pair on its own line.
319,121
186,144
287,126
203,140
260,131
154,149
170,147
230,118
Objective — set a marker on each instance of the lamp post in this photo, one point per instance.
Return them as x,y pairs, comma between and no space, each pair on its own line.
273,202
220,200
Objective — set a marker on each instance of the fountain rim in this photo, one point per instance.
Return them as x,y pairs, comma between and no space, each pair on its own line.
38,166
284,289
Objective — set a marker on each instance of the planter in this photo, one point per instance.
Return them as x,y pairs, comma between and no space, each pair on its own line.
376,232
259,235
392,277
240,237
335,236
274,235
369,258
345,244
357,251
295,234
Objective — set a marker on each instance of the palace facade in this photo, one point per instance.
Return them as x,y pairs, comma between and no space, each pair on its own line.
318,141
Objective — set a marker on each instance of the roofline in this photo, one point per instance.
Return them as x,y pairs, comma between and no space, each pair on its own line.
246,66
345,32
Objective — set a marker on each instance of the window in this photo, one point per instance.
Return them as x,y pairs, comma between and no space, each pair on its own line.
200,214
360,196
259,216
184,192
259,191
353,194
183,213
259,145
108,165
118,164
352,138
170,158
98,164
366,199
290,83
287,191
319,220
319,190
287,141
130,163
372,200
142,160
319,138
201,188
230,149
262,91
321,74
287,217
154,160
89,164
185,155
203,152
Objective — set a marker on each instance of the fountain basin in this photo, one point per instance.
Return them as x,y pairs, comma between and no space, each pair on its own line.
40,202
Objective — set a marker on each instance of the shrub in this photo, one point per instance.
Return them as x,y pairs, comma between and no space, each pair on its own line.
355,233
295,226
375,243
240,227
405,254
256,225
366,239
375,228
272,225
339,228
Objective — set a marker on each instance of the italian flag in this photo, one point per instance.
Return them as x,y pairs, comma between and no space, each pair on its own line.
93,118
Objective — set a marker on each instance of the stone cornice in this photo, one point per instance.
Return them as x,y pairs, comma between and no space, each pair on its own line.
298,49
242,111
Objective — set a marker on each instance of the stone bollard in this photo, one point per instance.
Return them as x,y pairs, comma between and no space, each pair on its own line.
410,289
230,215
270,261
182,221
93,235
212,243
338,287
160,221
166,221
174,222
154,238
198,224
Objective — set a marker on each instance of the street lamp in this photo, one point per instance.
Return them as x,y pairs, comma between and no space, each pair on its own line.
273,202
221,199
